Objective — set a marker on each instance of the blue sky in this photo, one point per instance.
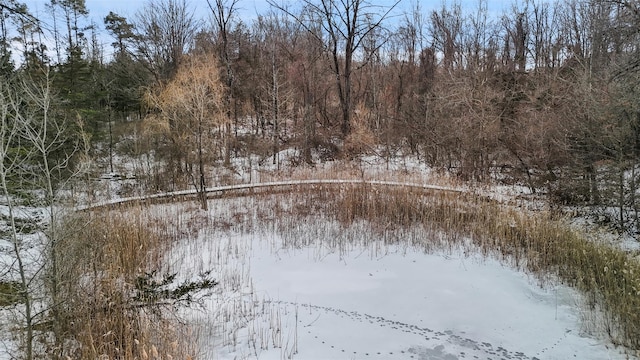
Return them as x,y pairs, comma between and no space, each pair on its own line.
98,9
248,10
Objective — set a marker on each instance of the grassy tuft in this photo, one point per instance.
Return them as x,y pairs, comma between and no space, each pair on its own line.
103,261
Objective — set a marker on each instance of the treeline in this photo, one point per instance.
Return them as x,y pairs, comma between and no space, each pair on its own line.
542,93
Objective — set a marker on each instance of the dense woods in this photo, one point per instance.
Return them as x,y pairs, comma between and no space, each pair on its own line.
543,93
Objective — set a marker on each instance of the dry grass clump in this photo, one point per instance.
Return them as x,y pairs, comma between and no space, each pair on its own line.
103,260
609,278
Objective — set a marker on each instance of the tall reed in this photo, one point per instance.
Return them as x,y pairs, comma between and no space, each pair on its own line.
103,258
608,277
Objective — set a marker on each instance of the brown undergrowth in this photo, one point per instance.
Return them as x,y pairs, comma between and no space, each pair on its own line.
104,260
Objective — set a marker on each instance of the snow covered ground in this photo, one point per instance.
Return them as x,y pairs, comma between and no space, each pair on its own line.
378,302
372,302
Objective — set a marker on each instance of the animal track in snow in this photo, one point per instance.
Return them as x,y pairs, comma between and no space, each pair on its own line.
465,348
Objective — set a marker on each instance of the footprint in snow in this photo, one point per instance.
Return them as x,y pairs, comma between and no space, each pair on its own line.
419,352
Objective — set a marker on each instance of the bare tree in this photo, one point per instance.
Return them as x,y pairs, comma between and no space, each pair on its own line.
190,108
544,33
40,152
308,71
11,162
59,150
164,31
275,32
446,31
346,24
223,13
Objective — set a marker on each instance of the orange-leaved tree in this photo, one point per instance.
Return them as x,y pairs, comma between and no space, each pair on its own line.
189,111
